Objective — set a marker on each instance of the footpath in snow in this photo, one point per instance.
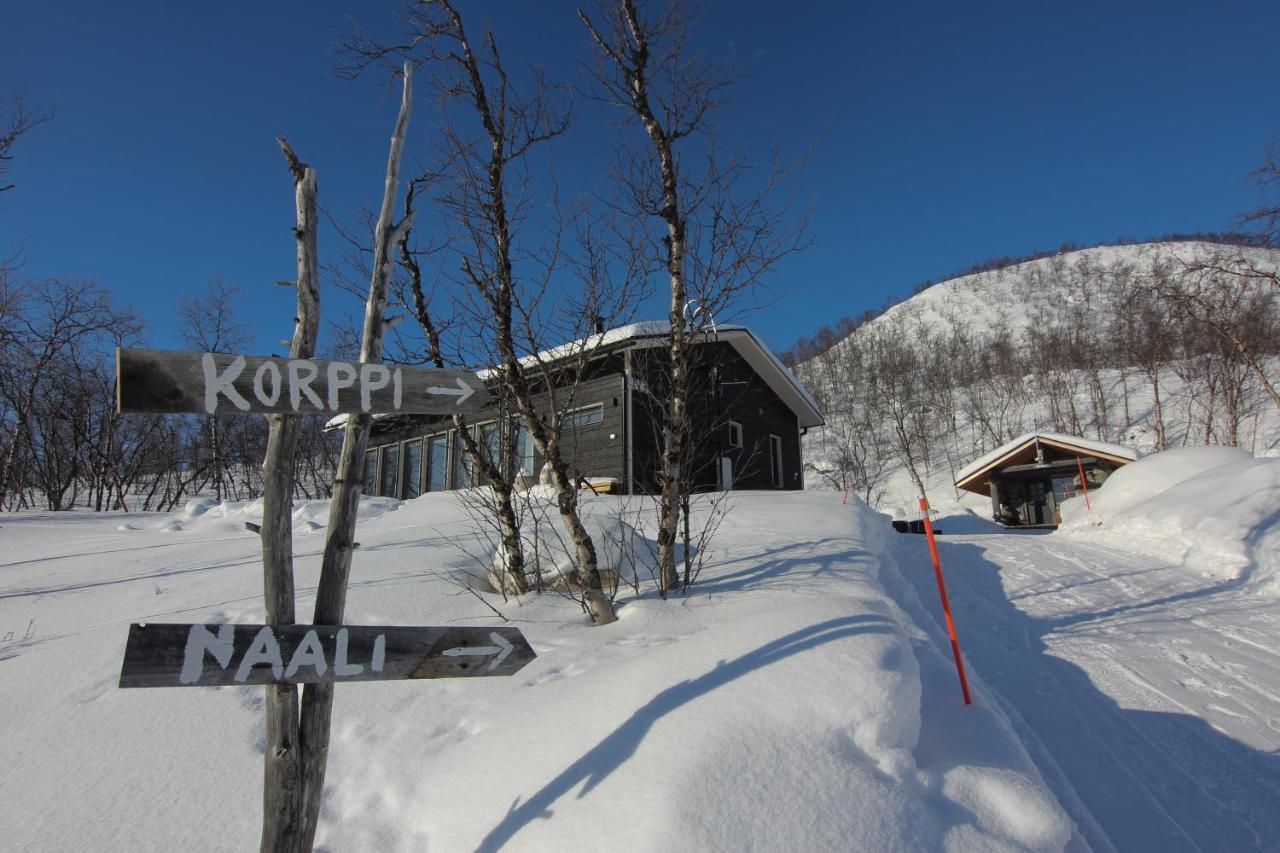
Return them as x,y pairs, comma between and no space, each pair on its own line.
1147,692
788,703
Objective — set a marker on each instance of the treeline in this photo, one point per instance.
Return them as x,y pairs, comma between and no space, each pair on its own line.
1182,345
62,443
826,336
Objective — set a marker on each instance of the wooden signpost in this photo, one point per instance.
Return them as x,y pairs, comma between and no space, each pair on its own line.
181,655
152,380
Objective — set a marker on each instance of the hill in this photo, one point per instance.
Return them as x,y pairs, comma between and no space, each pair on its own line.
1152,345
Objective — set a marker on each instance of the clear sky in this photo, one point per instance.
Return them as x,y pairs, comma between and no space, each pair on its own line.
946,133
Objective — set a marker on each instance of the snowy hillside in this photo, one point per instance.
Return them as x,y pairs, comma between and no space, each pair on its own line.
1149,346
794,701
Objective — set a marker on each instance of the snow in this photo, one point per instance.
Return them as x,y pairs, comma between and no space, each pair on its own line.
986,459
1215,510
790,702
1147,694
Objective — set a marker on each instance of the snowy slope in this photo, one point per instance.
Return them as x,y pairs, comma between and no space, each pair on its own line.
790,703
1015,295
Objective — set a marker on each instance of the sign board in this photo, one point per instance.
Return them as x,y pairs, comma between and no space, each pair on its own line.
180,655
152,380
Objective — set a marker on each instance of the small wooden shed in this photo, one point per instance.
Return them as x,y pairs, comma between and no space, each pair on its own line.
1029,478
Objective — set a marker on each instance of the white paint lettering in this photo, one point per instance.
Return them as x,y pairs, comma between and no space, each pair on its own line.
341,375
265,649
341,668
379,653
199,641
397,385
308,653
216,383
368,384
267,368
300,384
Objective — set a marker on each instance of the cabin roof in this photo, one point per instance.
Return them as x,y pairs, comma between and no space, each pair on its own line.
975,476
652,333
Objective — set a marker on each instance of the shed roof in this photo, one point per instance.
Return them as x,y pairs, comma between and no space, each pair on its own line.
975,476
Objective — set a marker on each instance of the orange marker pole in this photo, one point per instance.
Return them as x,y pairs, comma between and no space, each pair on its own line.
1084,484
946,605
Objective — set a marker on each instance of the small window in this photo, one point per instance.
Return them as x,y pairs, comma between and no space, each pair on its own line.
734,434
586,416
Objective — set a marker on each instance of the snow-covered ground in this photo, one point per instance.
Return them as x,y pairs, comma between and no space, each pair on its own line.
792,702
1125,669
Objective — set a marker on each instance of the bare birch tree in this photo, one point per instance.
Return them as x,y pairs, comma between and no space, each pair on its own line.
715,242
479,203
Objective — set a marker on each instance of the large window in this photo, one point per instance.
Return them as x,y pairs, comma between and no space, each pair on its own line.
412,469
438,463
390,476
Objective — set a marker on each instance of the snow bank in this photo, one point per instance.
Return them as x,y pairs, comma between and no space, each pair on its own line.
1215,509
207,514
787,703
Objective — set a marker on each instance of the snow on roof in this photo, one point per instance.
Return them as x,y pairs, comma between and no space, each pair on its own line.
752,349
1104,448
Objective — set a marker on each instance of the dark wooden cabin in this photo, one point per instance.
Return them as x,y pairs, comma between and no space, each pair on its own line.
747,413
1029,478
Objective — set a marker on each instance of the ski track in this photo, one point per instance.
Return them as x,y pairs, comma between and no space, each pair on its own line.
1153,692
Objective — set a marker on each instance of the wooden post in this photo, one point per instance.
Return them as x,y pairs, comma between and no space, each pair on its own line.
1084,484
282,814
331,596
946,605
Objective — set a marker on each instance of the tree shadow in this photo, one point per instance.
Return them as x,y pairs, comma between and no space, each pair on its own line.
798,560
597,763
1131,779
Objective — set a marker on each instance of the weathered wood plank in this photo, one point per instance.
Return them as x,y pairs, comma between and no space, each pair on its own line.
150,380
184,655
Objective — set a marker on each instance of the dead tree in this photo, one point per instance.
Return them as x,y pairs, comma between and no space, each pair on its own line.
283,815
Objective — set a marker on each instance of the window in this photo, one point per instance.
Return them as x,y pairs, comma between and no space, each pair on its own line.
524,451
412,469
463,467
370,472
586,416
390,479
438,463
733,431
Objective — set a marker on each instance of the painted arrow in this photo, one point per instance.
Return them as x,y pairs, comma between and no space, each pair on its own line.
463,392
501,648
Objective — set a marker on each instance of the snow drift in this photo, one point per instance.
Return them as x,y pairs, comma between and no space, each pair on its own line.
788,702
1214,509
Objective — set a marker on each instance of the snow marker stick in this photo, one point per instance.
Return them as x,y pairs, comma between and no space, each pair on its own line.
1084,484
946,605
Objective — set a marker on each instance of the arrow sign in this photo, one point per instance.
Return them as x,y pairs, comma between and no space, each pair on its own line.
462,392
184,655
501,648
149,380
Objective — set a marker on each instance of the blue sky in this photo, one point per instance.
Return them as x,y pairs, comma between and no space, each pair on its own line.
945,134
